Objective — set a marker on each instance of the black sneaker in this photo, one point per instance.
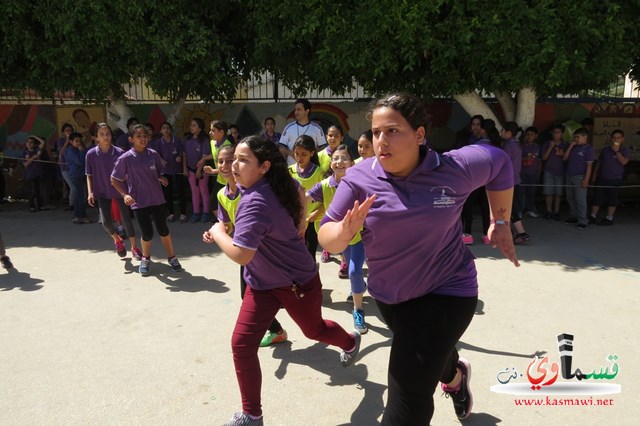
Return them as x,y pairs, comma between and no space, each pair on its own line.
592,220
6,262
462,398
605,222
548,216
570,221
581,226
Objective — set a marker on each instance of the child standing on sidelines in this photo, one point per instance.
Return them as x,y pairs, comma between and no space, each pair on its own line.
365,146
196,148
278,270
530,173
512,147
74,156
307,171
170,149
354,253
228,200
100,161
335,136
579,157
34,171
142,169
553,176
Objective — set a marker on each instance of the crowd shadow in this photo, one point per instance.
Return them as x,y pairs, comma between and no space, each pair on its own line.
14,279
184,281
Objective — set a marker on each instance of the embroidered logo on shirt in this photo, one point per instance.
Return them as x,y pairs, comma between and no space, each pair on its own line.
442,200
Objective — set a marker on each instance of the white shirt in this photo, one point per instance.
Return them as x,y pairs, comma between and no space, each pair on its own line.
293,130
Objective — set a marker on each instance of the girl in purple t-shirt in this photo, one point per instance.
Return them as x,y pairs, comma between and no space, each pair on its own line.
278,270
33,154
142,169
99,164
196,149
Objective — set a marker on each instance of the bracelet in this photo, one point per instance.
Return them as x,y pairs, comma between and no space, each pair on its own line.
499,222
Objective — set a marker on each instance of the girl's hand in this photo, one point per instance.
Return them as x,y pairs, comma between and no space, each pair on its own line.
209,170
128,200
217,230
198,174
500,237
163,180
91,199
354,219
207,237
200,163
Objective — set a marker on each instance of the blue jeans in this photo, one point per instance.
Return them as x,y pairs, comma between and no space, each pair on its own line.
577,198
79,189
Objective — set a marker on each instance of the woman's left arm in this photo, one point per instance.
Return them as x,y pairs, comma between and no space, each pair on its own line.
500,228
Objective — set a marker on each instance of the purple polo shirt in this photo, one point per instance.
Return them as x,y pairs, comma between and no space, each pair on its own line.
316,193
555,164
141,170
412,231
610,168
530,159
512,148
99,166
275,138
579,156
170,150
263,225
36,168
195,150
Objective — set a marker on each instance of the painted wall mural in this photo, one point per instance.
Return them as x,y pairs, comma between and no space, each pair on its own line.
447,120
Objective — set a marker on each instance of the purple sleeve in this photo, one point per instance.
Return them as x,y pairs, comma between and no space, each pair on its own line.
252,224
342,201
89,164
206,148
590,155
223,216
487,165
179,146
120,169
316,193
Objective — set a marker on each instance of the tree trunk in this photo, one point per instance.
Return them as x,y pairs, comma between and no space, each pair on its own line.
473,104
526,111
508,105
118,114
175,111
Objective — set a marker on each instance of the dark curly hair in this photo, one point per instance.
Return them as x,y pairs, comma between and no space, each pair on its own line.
278,175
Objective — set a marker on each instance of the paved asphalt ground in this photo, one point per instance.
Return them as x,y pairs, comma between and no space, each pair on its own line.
85,340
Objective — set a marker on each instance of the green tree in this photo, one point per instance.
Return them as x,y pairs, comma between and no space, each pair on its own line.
516,49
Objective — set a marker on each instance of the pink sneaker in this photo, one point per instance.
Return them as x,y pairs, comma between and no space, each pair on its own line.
467,239
120,248
136,253
343,273
486,240
325,256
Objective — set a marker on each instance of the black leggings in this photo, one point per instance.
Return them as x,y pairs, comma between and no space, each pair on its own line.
477,197
311,239
144,216
423,353
104,206
175,183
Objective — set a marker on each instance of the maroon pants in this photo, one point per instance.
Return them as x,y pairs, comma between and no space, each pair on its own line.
258,309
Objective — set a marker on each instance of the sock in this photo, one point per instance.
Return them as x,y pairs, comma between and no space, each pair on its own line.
610,218
252,417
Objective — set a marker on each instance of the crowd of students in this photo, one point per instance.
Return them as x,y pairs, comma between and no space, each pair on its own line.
275,198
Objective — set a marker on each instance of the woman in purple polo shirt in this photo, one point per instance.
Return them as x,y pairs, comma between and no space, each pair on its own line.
142,169
279,271
425,281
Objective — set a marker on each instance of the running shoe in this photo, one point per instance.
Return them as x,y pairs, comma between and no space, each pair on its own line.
145,266
325,256
175,264
605,222
461,397
467,239
171,218
348,358
242,419
581,226
359,322
350,297
120,248
136,253
195,217
204,218
570,221
343,273
6,262
183,218
592,220
270,338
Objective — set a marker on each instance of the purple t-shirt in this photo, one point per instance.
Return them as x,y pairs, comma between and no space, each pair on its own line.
169,150
512,148
579,156
412,231
36,168
530,159
610,167
99,166
141,170
275,138
195,150
263,225
554,164
316,193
